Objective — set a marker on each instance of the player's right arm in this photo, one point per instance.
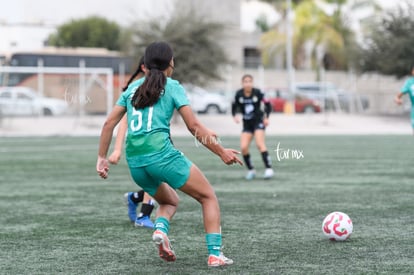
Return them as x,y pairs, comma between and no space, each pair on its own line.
102,165
406,88
119,142
207,137
234,108
398,99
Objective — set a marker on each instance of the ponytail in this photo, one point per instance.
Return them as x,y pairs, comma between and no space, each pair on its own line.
157,58
150,91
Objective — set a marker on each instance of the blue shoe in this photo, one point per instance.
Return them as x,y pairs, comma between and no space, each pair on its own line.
144,221
132,206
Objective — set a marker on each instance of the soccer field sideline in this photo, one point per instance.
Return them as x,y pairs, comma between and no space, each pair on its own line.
223,125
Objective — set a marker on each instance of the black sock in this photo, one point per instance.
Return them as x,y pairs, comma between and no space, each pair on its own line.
137,197
266,159
248,162
146,209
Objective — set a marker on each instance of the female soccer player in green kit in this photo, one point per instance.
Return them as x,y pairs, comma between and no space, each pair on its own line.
154,163
408,88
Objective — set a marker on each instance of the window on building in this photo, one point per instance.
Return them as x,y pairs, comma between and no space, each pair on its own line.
252,58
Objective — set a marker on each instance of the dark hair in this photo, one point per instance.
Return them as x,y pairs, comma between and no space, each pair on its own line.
247,76
137,72
157,58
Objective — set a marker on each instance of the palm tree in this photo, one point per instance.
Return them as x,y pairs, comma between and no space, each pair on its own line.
318,35
312,29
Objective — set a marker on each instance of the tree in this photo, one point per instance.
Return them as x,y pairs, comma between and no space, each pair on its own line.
329,36
88,32
342,19
313,28
389,49
198,52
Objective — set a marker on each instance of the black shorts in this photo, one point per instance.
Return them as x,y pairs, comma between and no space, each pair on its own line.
250,126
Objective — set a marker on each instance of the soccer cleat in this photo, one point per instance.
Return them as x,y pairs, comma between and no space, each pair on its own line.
144,221
251,174
132,207
268,173
214,261
165,251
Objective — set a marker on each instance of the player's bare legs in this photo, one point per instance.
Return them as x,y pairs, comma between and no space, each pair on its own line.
245,140
147,198
198,187
167,199
259,137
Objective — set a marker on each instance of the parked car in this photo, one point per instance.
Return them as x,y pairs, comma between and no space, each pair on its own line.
23,101
278,99
205,102
331,96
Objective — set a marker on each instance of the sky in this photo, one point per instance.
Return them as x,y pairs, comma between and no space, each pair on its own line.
51,13
56,12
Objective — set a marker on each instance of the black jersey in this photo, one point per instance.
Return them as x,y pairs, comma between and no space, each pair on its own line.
252,107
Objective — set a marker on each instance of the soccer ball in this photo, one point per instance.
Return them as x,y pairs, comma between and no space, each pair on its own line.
337,226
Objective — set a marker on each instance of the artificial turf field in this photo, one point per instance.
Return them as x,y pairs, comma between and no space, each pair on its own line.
58,217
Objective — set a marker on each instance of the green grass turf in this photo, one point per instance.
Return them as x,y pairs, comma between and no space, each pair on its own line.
57,216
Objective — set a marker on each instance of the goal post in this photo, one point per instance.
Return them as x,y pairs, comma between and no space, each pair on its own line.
81,86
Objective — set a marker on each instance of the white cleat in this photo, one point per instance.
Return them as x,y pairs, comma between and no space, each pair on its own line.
164,248
214,261
268,173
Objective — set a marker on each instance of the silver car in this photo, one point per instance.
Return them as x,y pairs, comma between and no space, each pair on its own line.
23,101
205,102
332,97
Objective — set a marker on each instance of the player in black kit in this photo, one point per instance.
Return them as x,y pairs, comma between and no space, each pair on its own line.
251,103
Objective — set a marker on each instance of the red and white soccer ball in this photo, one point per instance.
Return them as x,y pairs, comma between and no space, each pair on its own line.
337,226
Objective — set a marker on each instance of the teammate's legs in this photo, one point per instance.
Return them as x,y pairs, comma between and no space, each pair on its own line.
132,199
143,218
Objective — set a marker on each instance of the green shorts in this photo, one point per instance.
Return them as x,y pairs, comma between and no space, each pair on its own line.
173,168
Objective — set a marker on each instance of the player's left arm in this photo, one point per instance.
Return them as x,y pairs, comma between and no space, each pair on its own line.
267,109
207,137
102,165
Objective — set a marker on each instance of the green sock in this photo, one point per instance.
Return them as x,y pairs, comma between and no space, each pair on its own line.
213,243
162,224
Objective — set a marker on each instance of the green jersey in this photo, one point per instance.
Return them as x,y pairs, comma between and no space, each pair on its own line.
408,88
148,137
